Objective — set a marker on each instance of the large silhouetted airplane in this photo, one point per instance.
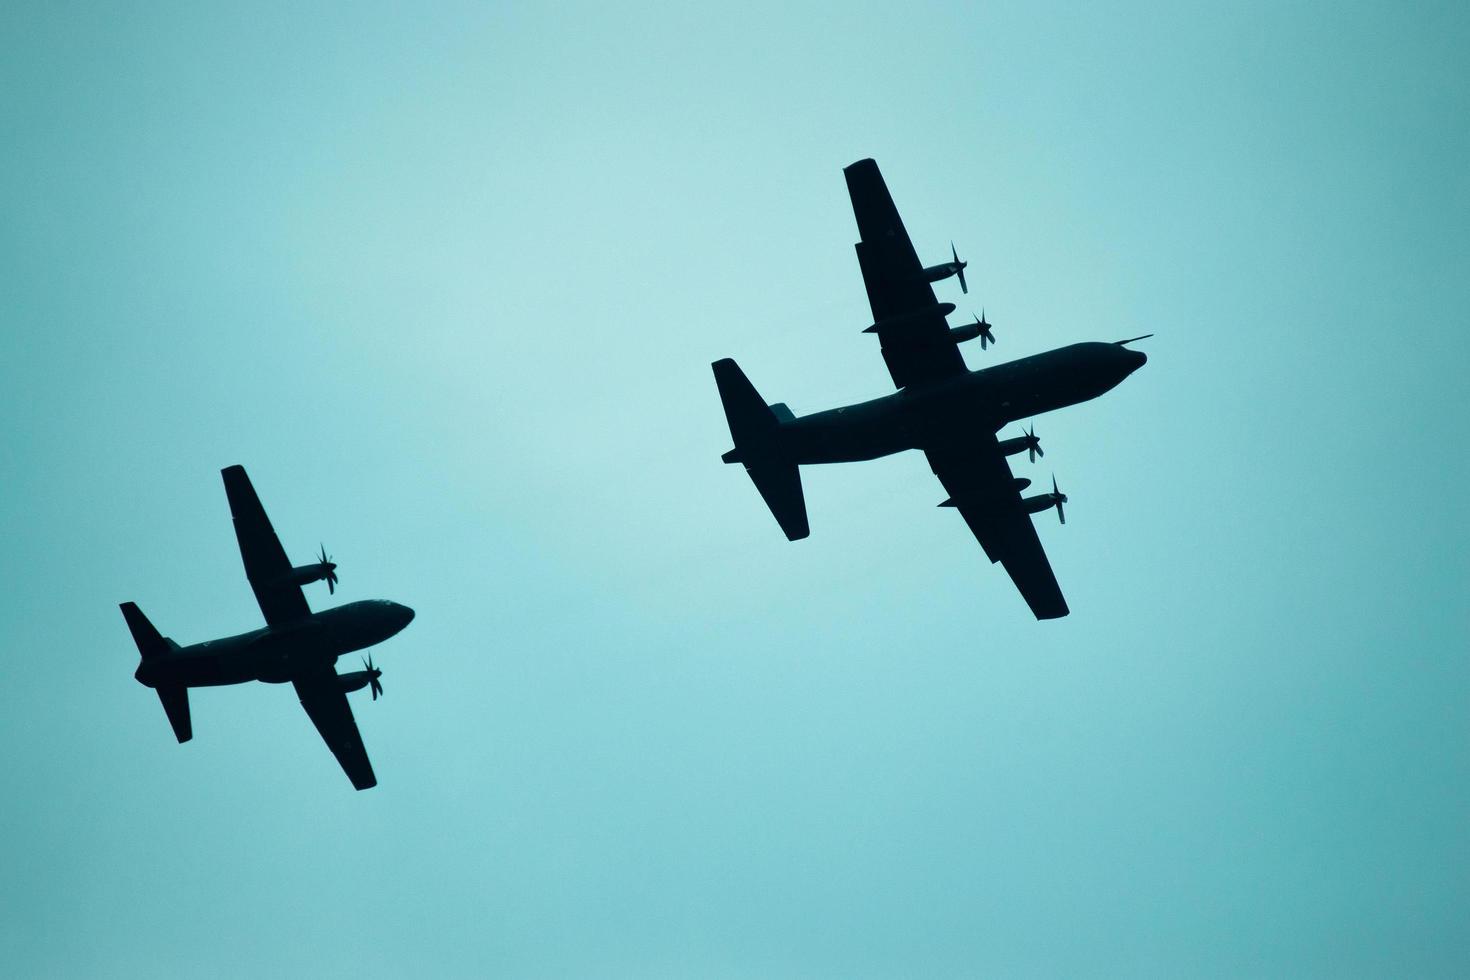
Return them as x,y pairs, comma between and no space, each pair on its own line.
941,407
296,645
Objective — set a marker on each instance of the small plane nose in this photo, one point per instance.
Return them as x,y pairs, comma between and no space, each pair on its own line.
406,613
1139,359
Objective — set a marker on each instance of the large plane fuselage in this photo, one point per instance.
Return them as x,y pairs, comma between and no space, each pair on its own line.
276,654
988,399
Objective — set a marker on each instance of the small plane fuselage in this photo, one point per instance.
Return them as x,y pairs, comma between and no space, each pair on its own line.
277,654
988,398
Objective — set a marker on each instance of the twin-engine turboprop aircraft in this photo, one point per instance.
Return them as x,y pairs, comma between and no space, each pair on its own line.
944,409
296,644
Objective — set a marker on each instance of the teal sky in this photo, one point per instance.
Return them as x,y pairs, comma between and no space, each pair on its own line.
448,280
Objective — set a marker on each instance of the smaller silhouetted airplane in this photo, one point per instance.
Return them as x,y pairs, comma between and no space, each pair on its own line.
941,407
296,645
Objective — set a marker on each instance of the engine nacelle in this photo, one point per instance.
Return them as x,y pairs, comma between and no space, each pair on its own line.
968,331
938,273
355,681
1010,447
1020,444
944,270
306,574
1039,503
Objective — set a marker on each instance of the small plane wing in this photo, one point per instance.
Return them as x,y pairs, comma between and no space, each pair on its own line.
326,704
982,488
266,564
909,321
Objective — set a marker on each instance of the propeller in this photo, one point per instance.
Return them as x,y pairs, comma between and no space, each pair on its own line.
330,568
959,267
986,337
376,673
1058,498
1033,444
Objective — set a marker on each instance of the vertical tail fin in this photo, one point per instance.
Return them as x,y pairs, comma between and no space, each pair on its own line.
755,427
151,645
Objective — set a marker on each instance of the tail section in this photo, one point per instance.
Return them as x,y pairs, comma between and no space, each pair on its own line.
755,427
152,645
752,423
176,705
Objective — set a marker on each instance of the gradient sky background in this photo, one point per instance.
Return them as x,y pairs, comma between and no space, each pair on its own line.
448,283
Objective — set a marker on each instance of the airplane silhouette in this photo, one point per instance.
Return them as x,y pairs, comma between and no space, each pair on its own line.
296,644
941,407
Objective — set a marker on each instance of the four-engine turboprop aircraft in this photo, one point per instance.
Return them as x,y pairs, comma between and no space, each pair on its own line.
296,644
944,409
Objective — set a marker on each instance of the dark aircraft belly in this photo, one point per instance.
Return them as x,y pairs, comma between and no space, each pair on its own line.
289,657
208,671
1044,383
274,659
1024,404
846,435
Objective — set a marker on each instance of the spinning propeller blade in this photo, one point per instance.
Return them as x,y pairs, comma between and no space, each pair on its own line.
373,681
986,337
959,268
1033,445
331,571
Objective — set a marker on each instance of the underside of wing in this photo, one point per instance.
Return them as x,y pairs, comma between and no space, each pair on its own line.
1022,556
982,488
909,321
326,704
266,564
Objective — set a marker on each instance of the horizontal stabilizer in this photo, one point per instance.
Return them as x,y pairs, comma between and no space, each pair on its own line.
756,429
780,487
150,643
752,423
176,706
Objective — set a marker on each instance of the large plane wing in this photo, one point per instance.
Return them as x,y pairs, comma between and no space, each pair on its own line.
266,565
909,321
982,488
326,704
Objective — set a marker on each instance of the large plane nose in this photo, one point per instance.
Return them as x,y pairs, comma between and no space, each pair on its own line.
1139,359
405,613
